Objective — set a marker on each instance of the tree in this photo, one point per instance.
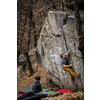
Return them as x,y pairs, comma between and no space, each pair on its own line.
29,36
79,27
27,13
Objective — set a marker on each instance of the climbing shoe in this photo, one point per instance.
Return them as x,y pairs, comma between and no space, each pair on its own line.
78,76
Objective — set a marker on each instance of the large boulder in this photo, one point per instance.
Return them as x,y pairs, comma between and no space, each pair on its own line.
57,36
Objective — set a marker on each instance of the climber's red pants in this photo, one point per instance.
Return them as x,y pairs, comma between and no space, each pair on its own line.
70,71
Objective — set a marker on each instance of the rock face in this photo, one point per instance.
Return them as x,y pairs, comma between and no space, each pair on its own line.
57,36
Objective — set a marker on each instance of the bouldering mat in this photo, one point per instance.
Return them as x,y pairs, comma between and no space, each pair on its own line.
29,89
53,93
63,91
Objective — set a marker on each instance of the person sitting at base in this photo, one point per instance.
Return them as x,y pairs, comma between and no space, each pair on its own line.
66,67
37,89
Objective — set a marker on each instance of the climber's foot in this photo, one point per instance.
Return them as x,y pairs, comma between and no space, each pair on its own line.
71,80
78,76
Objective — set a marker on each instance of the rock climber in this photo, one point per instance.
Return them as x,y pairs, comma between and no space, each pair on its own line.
37,89
66,67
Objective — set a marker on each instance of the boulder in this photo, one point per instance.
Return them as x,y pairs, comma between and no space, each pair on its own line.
22,58
23,68
31,54
57,36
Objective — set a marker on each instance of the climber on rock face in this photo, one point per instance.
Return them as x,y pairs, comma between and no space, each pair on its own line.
66,67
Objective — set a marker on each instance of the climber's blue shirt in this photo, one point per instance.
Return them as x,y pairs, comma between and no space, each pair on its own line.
64,61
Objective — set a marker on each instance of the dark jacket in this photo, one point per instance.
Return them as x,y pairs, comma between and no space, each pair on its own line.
36,87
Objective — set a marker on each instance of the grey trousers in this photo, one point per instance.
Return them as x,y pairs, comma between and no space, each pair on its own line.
42,94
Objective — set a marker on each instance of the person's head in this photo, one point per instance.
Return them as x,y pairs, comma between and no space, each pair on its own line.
62,56
37,78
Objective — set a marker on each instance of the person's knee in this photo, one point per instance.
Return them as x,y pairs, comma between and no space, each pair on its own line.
46,93
69,71
66,69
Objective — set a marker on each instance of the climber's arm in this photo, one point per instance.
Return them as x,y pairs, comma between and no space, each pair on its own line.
68,52
68,65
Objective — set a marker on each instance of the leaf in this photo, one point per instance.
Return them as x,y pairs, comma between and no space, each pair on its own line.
64,7
61,30
61,6
51,3
72,2
68,3
72,30
79,36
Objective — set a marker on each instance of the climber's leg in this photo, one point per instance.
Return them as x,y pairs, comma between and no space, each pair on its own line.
71,77
70,71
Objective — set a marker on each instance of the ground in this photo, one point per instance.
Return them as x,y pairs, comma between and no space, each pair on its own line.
70,96
24,81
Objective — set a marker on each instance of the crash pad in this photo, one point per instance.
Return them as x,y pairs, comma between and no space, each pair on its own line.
53,93
48,90
63,91
29,89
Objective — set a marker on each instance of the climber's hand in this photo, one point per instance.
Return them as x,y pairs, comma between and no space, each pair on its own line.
68,50
64,65
71,65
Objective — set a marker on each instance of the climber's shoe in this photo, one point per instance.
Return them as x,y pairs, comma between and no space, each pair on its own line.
78,76
71,80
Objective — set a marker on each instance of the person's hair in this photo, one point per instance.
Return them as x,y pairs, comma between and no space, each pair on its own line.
37,77
61,55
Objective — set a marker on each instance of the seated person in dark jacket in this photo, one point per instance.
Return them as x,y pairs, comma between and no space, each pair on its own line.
37,89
